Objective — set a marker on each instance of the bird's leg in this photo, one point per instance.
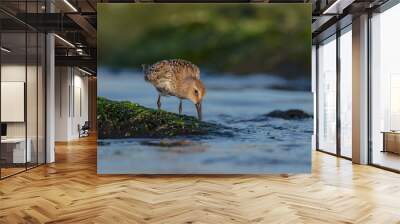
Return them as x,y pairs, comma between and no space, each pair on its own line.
180,106
159,102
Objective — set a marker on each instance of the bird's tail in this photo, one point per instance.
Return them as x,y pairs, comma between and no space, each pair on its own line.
145,69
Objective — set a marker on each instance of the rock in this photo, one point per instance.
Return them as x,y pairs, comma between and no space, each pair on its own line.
124,119
292,114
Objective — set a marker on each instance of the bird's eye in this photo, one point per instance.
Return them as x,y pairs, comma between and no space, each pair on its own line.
196,92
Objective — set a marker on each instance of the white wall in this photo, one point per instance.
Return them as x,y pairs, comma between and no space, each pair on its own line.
71,102
81,104
12,101
12,73
62,82
33,125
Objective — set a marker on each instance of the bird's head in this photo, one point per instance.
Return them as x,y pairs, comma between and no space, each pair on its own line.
194,90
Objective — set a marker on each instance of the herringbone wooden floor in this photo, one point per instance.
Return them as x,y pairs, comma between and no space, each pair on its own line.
70,191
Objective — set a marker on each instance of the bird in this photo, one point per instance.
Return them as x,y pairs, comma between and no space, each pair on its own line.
179,78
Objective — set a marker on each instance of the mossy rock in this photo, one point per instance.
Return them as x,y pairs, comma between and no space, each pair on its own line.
124,119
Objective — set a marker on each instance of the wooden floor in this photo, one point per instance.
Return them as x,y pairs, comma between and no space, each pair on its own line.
5,172
387,159
70,191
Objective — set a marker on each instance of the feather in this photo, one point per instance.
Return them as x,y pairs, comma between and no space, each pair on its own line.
165,74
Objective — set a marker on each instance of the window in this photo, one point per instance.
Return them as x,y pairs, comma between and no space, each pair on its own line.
346,92
385,89
22,98
327,95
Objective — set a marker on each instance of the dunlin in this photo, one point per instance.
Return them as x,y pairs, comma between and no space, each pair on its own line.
178,78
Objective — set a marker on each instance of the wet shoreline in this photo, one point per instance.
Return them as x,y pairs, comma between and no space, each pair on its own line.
262,137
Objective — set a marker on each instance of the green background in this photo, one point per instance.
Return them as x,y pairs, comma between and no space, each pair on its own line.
220,38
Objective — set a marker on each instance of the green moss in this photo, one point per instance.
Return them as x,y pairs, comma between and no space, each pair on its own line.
124,119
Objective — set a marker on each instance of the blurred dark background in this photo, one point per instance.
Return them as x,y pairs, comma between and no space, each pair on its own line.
230,38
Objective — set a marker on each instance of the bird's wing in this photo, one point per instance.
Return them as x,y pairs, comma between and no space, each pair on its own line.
159,70
196,74
162,77
185,69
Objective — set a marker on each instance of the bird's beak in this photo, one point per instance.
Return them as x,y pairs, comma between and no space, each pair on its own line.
198,107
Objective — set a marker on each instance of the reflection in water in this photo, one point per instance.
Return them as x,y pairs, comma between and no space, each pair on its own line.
176,146
253,143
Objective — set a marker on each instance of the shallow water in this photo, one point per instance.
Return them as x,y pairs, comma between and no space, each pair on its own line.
259,144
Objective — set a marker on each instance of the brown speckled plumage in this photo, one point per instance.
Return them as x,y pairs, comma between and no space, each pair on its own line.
166,75
176,77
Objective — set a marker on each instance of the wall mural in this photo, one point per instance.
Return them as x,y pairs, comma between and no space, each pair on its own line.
204,88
